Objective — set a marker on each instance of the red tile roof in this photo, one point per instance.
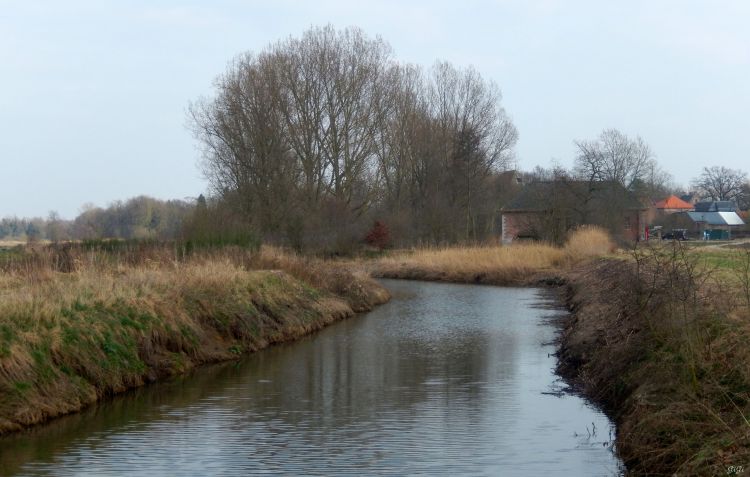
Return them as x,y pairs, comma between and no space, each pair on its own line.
673,202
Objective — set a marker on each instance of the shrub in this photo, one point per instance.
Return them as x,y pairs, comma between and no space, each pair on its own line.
379,236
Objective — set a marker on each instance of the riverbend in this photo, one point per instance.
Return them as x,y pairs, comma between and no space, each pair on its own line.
444,379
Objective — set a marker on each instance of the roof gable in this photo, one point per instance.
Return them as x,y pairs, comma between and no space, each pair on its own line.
717,218
673,202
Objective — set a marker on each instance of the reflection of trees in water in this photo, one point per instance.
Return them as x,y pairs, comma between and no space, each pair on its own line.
436,354
391,362
136,409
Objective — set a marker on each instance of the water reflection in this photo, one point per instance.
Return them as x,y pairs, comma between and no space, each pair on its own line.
445,379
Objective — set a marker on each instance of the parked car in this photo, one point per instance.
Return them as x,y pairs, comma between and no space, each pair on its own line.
676,234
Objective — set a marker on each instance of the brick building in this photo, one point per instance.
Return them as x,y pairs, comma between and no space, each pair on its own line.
547,210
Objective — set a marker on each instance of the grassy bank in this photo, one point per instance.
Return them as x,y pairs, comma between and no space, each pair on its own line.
79,323
661,342
495,265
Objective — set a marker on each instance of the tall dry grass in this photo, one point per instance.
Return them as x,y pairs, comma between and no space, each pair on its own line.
77,324
495,264
343,279
659,341
587,242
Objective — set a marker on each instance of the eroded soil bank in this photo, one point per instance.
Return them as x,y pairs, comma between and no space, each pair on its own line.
72,339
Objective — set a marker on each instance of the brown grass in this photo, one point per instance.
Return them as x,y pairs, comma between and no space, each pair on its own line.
662,345
344,279
498,265
587,242
112,321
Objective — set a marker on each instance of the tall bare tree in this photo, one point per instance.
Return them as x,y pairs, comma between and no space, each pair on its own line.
721,183
314,133
476,137
614,156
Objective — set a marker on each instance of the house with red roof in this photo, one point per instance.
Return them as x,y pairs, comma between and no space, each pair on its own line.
672,205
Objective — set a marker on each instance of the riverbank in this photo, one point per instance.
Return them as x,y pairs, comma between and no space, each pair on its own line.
78,325
661,343
657,337
431,379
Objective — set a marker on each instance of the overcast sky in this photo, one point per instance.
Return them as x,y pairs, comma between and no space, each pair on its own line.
93,93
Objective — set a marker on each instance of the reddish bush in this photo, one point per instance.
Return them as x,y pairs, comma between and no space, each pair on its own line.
379,236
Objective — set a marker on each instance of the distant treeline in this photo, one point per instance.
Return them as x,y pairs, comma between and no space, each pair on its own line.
137,218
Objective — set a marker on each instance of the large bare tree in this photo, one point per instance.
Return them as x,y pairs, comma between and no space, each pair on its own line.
314,133
616,157
721,183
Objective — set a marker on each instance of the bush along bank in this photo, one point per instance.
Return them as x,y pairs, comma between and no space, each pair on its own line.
662,345
70,339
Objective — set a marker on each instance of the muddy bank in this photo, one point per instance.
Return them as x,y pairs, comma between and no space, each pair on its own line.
69,340
658,347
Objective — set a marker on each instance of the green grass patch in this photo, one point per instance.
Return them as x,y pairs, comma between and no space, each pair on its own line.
71,335
121,352
728,260
7,336
43,366
189,334
21,386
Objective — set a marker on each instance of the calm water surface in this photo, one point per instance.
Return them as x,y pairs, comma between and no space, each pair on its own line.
443,380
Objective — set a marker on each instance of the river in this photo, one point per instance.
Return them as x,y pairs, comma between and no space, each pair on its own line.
443,380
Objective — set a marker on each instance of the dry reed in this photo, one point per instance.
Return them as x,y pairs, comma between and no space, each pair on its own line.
499,265
660,344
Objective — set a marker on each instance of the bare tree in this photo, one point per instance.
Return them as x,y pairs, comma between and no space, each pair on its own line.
614,157
313,133
245,144
743,202
655,182
721,183
55,227
333,100
476,137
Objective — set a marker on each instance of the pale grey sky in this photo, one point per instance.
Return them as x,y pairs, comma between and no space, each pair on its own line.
93,93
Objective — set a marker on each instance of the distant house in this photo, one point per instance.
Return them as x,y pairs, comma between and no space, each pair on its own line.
546,210
672,205
715,220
